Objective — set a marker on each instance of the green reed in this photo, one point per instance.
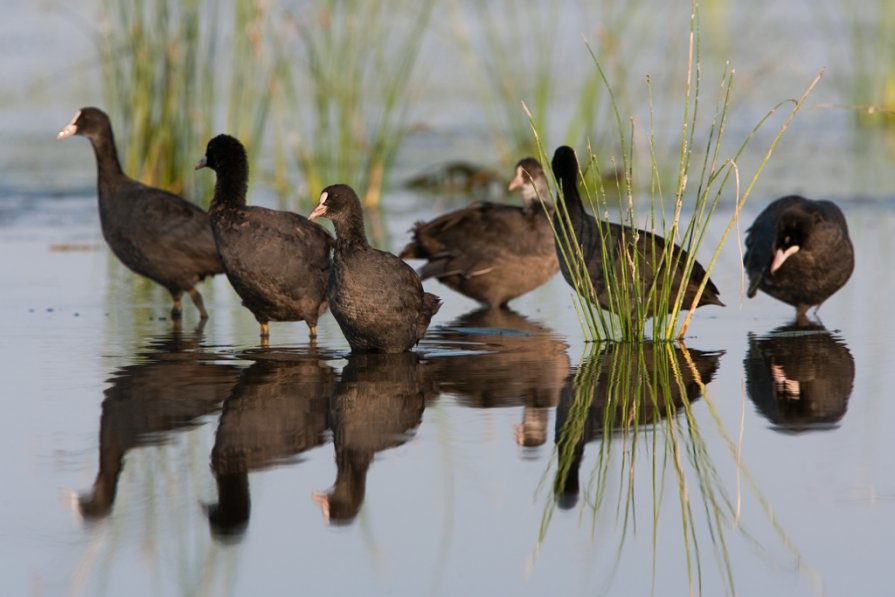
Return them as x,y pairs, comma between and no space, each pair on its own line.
866,63
348,86
694,195
167,70
511,52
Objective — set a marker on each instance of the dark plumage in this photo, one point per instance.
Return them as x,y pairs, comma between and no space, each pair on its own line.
487,251
277,261
621,241
799,252
153,232
376,298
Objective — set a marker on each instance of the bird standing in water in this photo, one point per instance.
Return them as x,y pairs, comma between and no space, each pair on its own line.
376,298
798,251
277,261
156,234
612,245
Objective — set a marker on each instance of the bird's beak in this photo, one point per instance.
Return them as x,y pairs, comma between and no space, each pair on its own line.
516,183
201,163
70,129
320,210
322,500
781,256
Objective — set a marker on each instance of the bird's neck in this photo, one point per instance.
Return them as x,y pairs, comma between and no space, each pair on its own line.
350,232
571,198
534,194
232,185
107,165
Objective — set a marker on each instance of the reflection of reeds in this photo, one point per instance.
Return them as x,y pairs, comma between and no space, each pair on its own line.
618,393
636,400
660,301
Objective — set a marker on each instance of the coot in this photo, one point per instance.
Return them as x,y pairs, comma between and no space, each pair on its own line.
377,299
277,261
153,232
799,252
491,252
622,241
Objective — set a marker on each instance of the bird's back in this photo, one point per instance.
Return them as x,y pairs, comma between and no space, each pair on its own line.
158,234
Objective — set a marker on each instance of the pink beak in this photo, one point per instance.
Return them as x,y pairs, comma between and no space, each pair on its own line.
319,211
781,256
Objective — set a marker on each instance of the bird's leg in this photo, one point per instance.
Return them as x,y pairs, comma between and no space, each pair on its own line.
265,335
177,308
200,304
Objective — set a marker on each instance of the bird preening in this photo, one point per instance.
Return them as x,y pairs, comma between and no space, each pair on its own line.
798,251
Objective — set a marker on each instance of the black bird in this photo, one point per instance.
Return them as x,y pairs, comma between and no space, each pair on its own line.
277,261
377,299
491,252
153,232
799,252
622,241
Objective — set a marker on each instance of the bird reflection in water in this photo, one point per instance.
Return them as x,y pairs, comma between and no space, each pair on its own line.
800,376
618,390
277,410
511,361
171,387
377,405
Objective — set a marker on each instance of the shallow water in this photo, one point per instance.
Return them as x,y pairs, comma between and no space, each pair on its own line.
146,458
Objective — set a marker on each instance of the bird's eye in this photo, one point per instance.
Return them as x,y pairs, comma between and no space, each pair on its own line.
787,239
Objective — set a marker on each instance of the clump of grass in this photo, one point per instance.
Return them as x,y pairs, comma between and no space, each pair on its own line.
168,68
660,303
867,73
348,86
512,55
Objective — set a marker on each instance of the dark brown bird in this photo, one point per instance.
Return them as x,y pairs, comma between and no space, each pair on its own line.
799,252
491,252
277,261
377,299
154,233
621,242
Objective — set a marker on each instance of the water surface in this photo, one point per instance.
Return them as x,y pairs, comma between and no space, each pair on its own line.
501,456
